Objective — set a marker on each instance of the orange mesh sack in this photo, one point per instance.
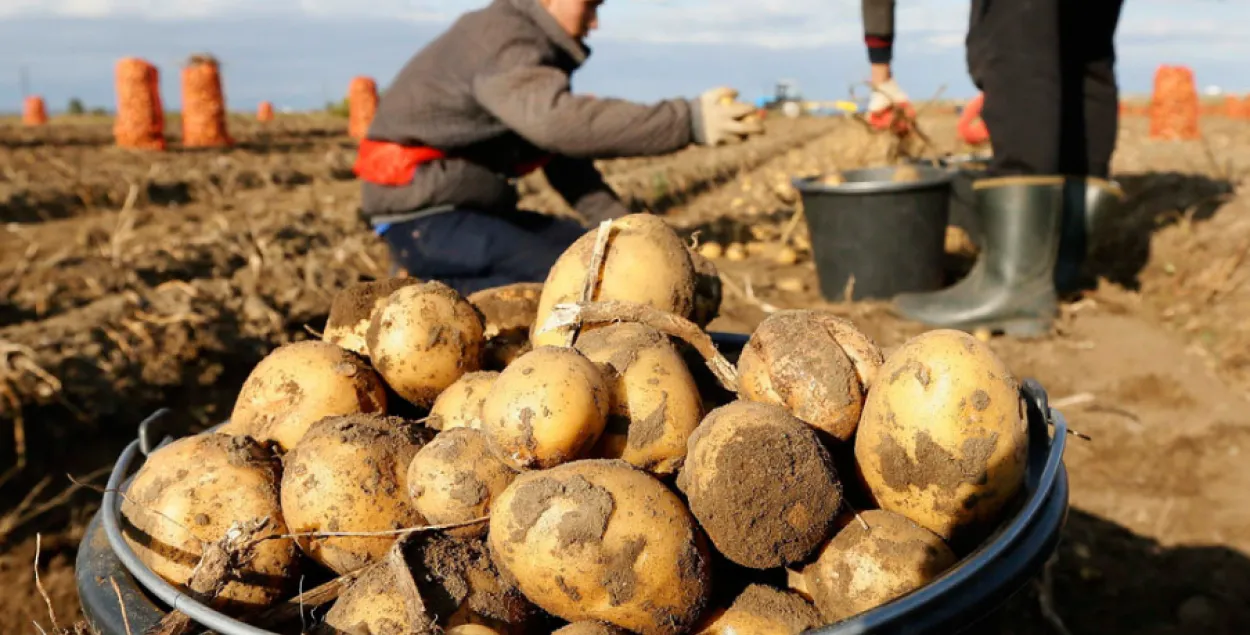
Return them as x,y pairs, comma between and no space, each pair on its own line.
362,104
264,112
34,113
140,121
1174,107
1232,107
203,105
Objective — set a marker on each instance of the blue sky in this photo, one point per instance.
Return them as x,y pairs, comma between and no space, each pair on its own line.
299,53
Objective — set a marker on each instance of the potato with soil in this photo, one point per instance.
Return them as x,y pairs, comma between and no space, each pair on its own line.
383,600
863,568
762,610
589,628
196,490
549,407
299,384
655,403
599,540
943,437
707,290
461,584
508,314
645,262
460,406
761,484
816,365
349,474
424,338
352,310
454,478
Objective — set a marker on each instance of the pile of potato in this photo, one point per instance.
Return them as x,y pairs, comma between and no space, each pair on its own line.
607,486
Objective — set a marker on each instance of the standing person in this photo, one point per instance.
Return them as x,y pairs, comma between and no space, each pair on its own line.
1047,69
489,101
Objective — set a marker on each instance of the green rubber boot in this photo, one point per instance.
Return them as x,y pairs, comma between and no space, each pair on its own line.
1087,203
1011,288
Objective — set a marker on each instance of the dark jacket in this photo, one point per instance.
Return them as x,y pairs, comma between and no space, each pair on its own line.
878,16
495,90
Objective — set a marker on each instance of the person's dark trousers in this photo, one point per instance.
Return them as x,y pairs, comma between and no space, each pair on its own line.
470,250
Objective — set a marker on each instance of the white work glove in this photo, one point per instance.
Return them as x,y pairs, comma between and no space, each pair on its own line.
718,118
885,95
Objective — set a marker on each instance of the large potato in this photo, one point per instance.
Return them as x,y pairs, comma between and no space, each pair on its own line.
598,540
454,478
762,610
761,485
352,310
816,365
460,406
424,338
645,262
299,384
548,407
349,474
655,402
195,490
943,438
508,313
863,568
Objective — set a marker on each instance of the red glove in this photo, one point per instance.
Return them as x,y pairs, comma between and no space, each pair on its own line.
971,127
886,98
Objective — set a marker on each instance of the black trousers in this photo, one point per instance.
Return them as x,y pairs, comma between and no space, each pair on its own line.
1047,68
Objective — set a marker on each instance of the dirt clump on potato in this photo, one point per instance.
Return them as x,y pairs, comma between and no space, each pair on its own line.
762,610
454,478
460,405
460,583
299,384
508,313
863,568
349,474
352,310
760,518
195,491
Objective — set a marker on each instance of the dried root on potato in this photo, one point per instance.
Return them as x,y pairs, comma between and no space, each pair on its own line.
299,384
598,540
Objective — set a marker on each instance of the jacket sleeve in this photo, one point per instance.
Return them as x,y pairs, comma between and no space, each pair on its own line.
579,182
534,100
878,16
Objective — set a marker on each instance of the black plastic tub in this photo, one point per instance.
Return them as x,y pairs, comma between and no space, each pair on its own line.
967,593
889,237
964,168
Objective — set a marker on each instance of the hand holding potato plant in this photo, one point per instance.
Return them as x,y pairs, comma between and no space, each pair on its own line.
576,473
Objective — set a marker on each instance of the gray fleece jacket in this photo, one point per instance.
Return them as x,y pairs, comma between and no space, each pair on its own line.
494,90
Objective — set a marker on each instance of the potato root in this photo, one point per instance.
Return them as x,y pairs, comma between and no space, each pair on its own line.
454,478
863,568
508,313
816,365
645,262
599,540
655,403
299,384
352,310
762,610
460,405
943,438
550,406
761,484
349,474
424,338
195,490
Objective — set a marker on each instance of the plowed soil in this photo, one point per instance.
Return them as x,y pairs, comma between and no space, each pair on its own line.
131,281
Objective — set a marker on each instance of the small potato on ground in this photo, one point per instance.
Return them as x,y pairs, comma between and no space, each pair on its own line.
349,474
352,310
598,540
424,338
761,484
460,405
762,610
195,490
860,569
943,438
454,478
299,384
550,406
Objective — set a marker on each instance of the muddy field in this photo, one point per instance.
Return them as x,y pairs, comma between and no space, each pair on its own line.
129,281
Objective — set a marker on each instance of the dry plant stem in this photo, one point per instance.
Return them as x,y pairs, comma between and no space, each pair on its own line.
667,323
293,608
121,605
39,584
792,225
381,534
592,272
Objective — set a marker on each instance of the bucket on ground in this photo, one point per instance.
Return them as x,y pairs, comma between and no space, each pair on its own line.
965,169
872,237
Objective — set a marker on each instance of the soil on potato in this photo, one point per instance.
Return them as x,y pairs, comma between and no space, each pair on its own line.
139,280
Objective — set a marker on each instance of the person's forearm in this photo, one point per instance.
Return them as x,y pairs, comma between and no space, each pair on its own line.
878,16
